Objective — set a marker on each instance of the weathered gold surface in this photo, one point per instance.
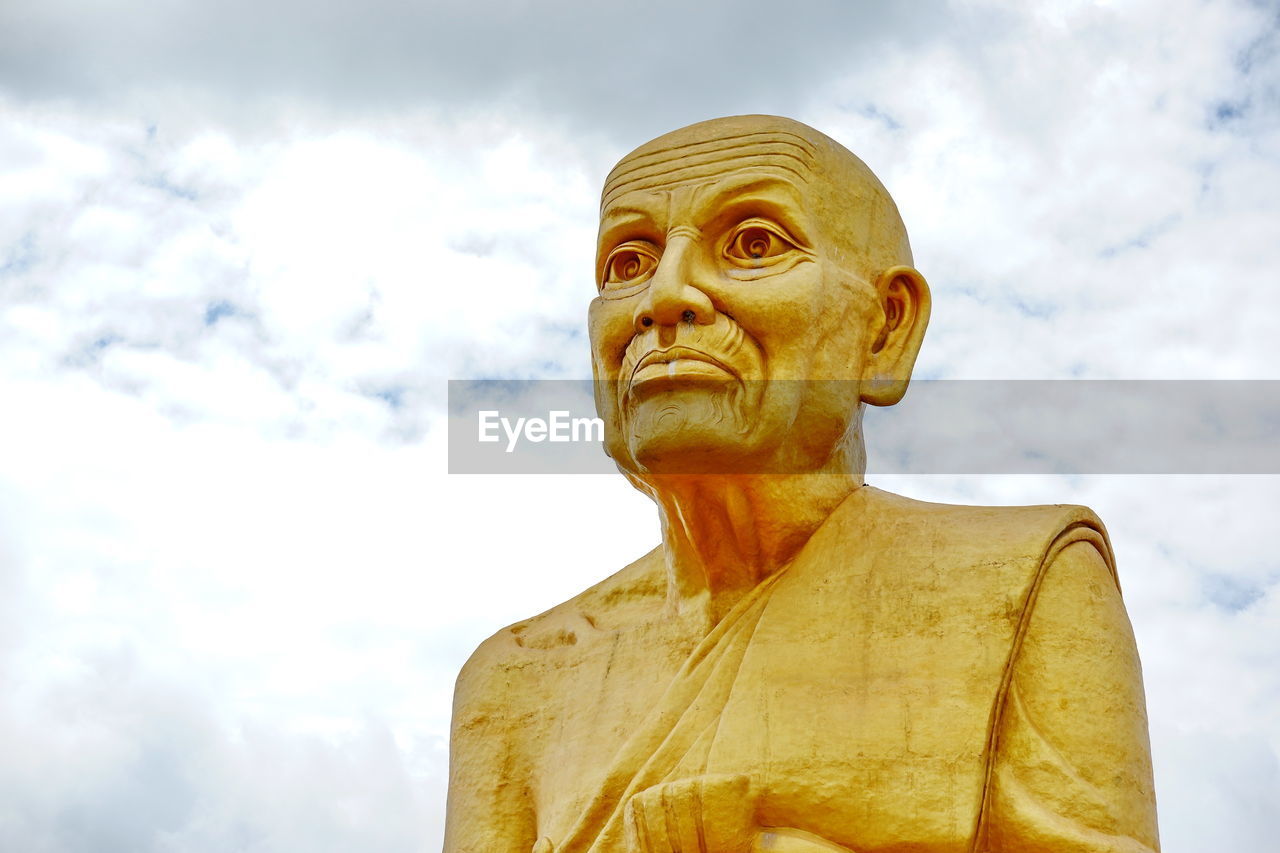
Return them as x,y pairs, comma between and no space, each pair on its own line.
805,663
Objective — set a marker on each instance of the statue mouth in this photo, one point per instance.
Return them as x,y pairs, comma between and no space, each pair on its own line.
677,366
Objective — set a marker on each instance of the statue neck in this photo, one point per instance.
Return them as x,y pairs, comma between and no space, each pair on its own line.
724,534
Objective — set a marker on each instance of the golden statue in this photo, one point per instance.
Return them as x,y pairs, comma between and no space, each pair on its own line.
806,663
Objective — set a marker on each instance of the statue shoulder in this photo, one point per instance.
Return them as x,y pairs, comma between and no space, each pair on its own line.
630,595
1032,531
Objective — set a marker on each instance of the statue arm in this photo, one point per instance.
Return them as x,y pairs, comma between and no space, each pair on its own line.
490,808
1072,772
710,814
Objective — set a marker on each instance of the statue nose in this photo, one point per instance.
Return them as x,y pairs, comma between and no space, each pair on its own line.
676,293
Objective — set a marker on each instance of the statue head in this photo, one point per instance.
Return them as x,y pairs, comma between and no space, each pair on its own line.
755,289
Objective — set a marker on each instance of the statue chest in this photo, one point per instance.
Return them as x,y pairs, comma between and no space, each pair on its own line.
858,702
862,707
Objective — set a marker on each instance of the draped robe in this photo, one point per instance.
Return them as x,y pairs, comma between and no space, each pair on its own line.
921,678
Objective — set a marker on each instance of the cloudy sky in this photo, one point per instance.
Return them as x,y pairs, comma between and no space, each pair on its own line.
243,245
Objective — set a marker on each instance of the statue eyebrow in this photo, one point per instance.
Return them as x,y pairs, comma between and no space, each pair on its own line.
728,202
725,198
750,186
626,210
624,216
622,220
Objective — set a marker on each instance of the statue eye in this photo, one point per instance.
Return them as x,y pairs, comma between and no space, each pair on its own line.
757,243
628,263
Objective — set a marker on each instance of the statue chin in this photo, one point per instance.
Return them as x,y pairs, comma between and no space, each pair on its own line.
694,432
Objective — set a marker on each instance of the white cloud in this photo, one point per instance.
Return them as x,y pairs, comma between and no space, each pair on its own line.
604,66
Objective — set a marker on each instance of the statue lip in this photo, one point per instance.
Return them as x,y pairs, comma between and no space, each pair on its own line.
670,356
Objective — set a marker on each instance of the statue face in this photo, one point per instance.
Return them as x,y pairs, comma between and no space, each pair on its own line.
724,301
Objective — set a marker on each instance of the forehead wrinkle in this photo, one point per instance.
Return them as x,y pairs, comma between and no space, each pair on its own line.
706,197
708,147
754,152
780,136
703,172
707,160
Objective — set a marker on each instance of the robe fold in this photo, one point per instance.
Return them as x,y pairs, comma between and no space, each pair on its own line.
895,688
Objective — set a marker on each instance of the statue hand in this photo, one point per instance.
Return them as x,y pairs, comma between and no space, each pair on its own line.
710,814
706,814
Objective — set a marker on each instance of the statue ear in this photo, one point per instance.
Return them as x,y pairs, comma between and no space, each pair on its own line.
896,333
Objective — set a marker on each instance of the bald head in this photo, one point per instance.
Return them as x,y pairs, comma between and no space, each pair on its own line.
852,208
739,251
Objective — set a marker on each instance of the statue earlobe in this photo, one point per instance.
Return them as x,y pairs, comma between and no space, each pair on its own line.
902,295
